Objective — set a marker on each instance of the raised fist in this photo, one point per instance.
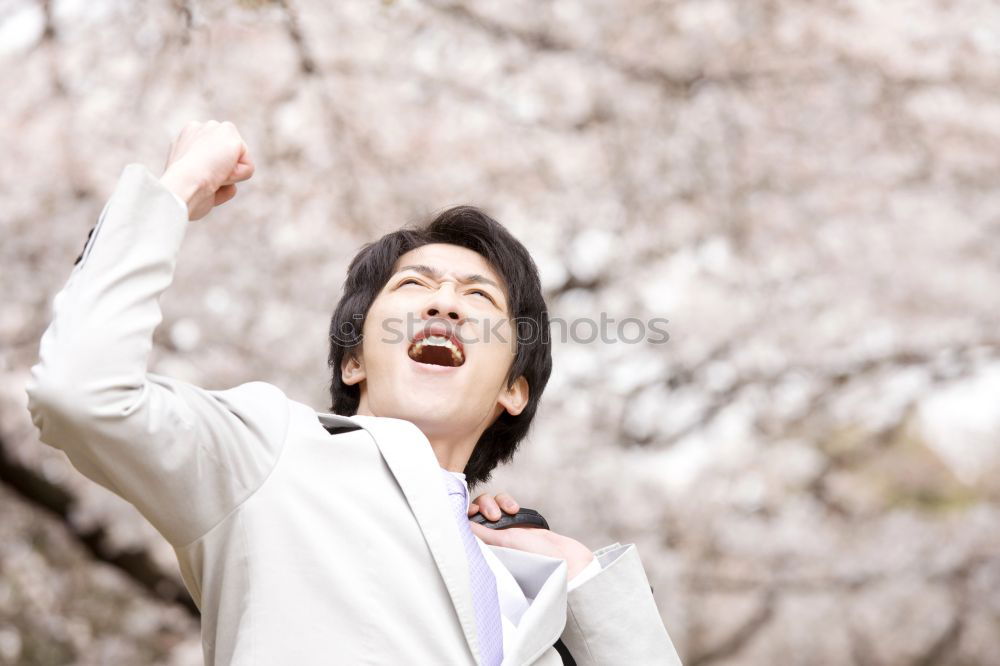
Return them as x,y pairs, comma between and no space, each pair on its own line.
206,161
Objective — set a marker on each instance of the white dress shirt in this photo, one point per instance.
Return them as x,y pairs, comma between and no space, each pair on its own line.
513,602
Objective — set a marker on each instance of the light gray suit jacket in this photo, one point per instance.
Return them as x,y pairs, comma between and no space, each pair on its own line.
298,546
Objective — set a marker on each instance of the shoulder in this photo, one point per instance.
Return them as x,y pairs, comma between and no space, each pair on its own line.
262,407
257,392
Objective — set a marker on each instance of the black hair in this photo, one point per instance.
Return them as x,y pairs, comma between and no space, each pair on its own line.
471,228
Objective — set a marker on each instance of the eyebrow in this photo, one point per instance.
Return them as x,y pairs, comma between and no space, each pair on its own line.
432,272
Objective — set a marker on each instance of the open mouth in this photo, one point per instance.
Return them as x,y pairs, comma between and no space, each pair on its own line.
436,345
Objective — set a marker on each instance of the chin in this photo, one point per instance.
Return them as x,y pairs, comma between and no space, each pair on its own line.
433,409
439,400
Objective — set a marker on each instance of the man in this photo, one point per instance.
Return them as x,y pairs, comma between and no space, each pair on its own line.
310,538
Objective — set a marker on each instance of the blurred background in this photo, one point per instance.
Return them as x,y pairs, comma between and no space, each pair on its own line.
806,191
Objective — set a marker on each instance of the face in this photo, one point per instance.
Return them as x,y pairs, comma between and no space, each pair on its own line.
438,345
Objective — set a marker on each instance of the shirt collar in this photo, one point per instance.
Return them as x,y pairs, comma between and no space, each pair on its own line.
461,476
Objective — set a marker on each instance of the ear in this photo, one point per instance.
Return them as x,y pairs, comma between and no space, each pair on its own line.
352,369
515,398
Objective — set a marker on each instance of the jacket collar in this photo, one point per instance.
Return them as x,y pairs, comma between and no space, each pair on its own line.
411,459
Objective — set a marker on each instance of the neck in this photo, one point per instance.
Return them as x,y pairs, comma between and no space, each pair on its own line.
452,454
452,446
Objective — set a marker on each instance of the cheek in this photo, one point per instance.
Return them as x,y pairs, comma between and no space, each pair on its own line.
376,340
497,357
389,322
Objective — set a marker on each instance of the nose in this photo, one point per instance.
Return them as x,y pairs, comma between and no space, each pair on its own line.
444,305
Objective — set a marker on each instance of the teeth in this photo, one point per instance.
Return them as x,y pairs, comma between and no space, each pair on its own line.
437,341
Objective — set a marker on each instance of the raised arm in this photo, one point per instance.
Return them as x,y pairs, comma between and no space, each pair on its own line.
182,455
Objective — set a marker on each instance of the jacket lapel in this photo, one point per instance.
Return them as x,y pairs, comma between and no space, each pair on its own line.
543,579
411,459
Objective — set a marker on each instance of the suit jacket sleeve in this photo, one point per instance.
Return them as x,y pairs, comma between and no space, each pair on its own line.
612,618
184,456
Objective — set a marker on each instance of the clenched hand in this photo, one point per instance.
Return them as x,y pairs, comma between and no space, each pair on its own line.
206,161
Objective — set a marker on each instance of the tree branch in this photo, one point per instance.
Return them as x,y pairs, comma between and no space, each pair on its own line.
137,564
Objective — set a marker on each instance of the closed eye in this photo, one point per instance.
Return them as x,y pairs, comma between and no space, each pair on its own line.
484,295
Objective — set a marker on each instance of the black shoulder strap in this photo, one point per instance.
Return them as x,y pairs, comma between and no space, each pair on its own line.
336,430
563,651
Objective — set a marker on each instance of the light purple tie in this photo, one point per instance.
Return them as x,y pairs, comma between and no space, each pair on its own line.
485,600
